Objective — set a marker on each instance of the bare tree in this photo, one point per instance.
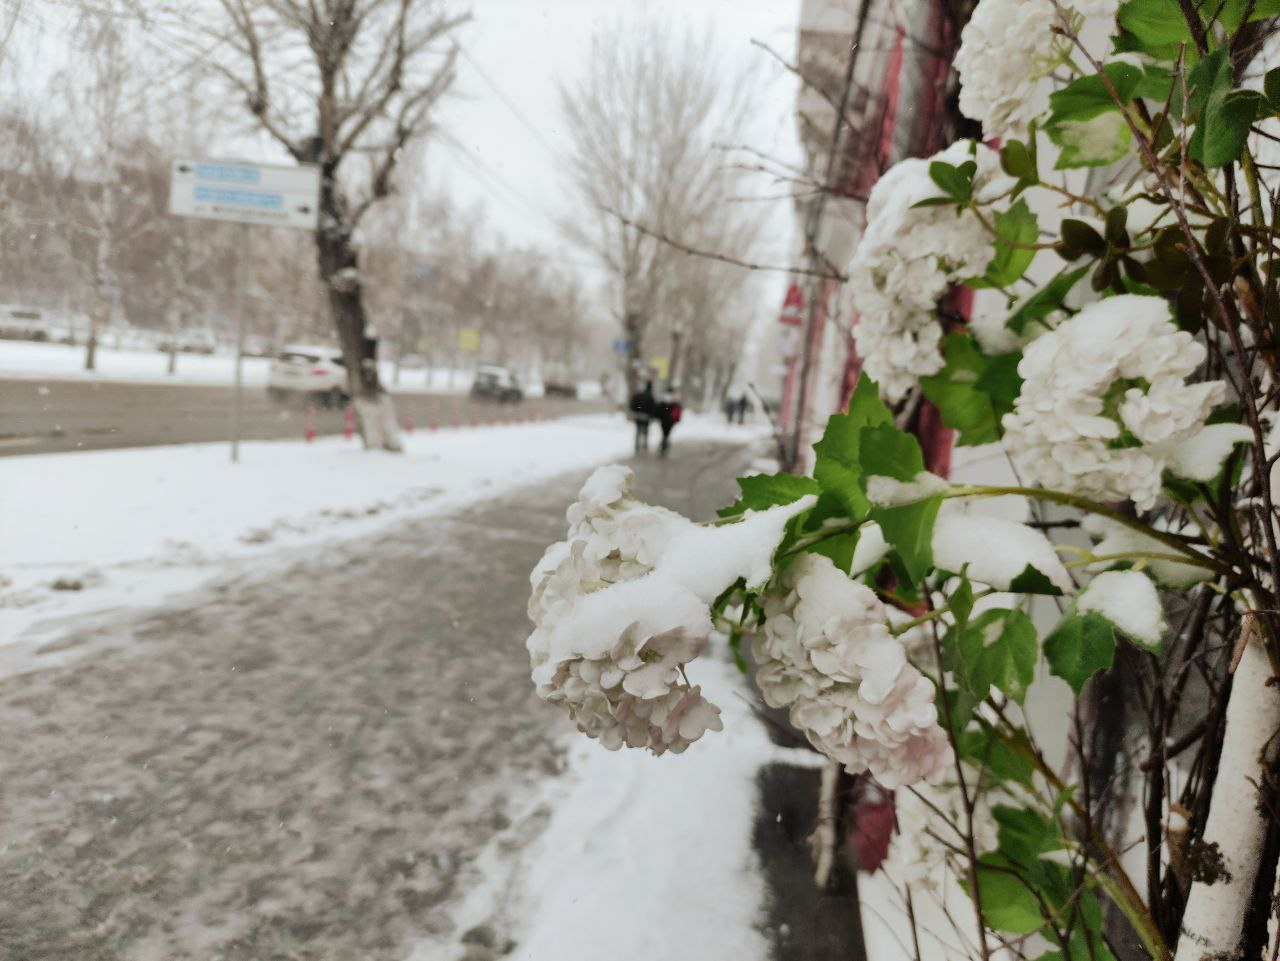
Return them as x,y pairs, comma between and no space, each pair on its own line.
642,127
96,96
343,84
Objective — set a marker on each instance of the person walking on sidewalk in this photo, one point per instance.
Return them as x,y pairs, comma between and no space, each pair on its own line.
669,411
643,409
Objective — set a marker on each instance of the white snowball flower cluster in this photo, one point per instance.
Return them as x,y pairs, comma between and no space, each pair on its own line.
621,607
1105,406
906,260
1005,48
826,654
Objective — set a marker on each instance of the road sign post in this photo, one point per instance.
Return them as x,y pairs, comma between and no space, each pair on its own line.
246,194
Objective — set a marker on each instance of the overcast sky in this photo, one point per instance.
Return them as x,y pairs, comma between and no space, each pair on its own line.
502,126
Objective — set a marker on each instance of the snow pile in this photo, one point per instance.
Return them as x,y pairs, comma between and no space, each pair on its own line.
131,526
907,259
1105,403
621,607
826,654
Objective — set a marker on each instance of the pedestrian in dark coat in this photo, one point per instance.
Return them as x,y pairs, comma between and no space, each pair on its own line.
643,410
669,411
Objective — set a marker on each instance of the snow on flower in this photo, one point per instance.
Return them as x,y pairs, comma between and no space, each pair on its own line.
1130,601
825,653
621,607
907,259
1105,403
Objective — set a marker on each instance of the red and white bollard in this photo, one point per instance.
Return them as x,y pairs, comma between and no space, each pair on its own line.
408,421
435,420
310,433
349,422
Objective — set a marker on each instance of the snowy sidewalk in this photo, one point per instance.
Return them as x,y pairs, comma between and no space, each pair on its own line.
343,756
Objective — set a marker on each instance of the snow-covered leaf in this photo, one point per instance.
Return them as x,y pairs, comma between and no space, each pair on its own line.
761,491
996,551
1129,601
1200,457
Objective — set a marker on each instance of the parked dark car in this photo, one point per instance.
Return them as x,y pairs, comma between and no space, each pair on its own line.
496,383
557,388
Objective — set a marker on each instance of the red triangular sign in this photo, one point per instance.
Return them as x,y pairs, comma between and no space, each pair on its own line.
795,300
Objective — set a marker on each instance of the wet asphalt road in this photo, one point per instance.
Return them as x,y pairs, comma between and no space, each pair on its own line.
47,415
297,764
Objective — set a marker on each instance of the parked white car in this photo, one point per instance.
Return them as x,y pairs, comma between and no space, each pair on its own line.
306,370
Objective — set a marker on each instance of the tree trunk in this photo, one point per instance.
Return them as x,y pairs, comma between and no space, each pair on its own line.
1236,830
633,331
339,269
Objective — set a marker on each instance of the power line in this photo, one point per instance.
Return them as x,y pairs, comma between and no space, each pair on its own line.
509,104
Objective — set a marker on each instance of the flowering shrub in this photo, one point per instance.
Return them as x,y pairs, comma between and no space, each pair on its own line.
910,633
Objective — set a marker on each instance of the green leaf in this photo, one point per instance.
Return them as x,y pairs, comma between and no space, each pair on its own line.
1079,647
997,649
1015,228
1222,115
1032,581
961,600
839,549
909,528
1271,87
934,202
837,464
1088,97
1051,296
985,750
1156,25
973,391
1025,834
1008,904
1078,239
762,491
1016,160
889,452
956,182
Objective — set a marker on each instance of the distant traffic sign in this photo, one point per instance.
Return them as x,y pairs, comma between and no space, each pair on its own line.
621,345
246,193
469,339
793,306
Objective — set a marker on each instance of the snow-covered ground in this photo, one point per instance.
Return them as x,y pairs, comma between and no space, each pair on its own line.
26,359
632,857
124,528
130,526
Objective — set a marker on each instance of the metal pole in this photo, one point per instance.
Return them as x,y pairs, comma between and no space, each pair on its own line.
242,267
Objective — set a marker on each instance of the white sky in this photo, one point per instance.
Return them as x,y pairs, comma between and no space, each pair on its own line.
515,54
